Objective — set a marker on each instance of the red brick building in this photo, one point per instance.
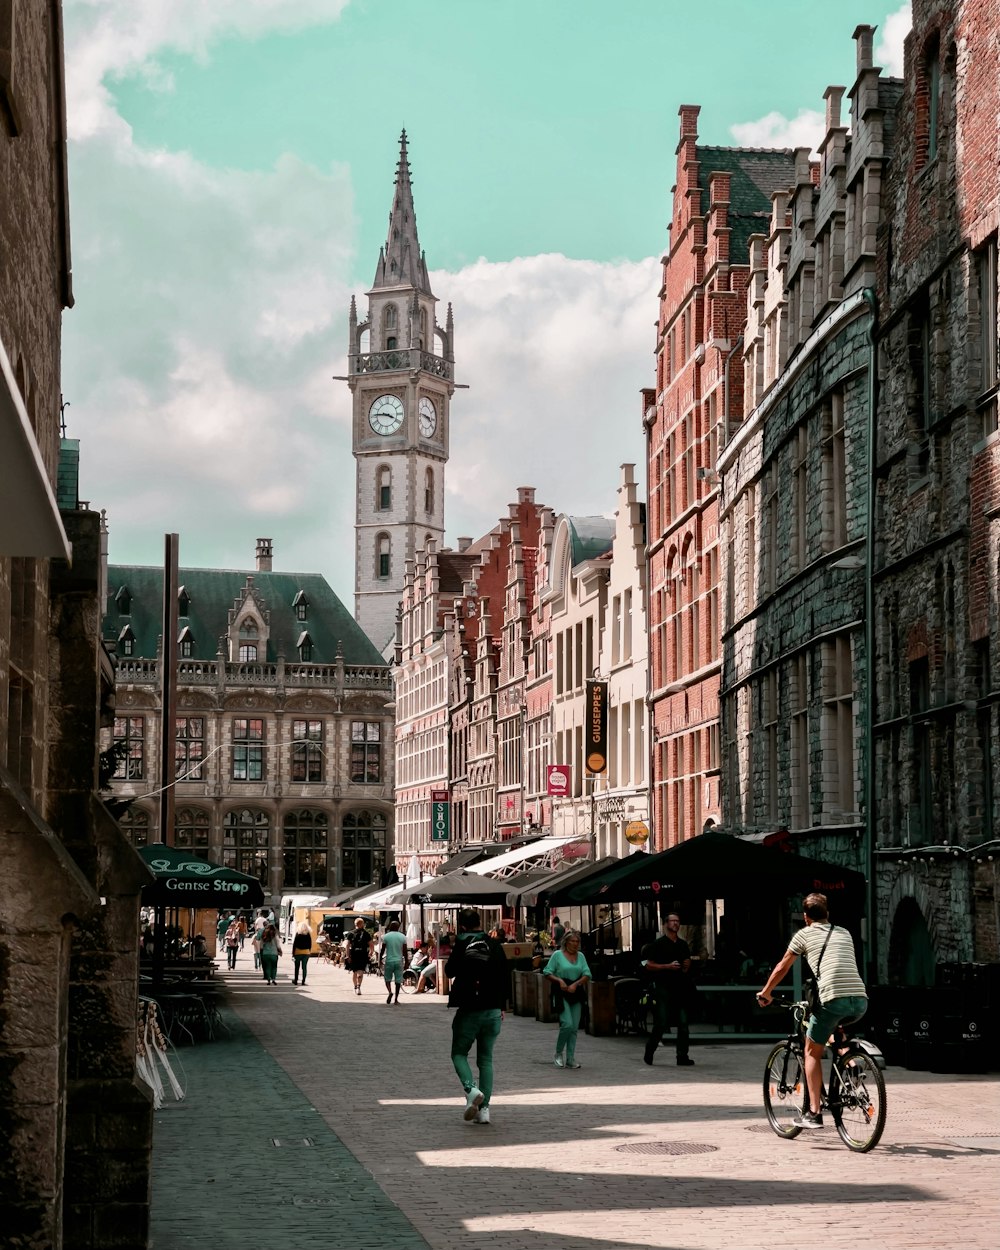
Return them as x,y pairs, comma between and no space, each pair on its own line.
721,196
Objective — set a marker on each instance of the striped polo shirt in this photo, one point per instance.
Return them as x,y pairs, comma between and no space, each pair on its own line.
838,971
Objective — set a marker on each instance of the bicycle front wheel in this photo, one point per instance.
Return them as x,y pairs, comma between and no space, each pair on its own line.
859,1106
785,1092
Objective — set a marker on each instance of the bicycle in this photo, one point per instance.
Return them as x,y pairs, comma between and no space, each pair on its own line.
854,1096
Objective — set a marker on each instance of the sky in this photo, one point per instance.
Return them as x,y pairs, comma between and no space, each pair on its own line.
231,174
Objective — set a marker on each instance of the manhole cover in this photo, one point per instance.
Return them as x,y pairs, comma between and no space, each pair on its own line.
299,1201
758,1128
666,1148
290,1142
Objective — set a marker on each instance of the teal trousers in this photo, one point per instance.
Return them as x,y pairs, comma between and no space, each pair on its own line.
483,1028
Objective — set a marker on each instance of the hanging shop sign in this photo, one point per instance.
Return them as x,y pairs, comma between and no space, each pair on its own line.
440,816
557,780
596,728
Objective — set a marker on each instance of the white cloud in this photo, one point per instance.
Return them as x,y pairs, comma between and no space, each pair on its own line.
113,38
774,130
889,49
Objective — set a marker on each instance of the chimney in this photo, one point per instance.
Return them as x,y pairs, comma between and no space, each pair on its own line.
265,550
464,543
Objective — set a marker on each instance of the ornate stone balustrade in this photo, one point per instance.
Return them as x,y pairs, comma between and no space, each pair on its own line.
411,358
207,672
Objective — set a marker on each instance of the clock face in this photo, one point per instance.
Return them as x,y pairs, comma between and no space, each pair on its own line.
427,416
385,416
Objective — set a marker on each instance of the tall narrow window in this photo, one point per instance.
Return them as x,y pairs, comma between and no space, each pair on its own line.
835,474
364,839
191,829
307,750
245,837
189,747
366,752
769,488
429,491
769,698
800,539
799,735
933,70
130,739
248,749
384,488
920,823
384,555
306,839
134,823
989,334
838,735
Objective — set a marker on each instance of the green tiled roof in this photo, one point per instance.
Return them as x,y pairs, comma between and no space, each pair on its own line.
211,594
754,175
591,536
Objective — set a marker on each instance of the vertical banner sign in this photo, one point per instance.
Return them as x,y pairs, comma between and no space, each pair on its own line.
440,816
595,750
557,780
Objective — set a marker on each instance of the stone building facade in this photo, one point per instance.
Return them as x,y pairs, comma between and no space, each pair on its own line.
720,197
77,1123
283,763
401,372
794,489
937,491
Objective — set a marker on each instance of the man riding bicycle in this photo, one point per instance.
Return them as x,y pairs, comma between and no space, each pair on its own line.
830,954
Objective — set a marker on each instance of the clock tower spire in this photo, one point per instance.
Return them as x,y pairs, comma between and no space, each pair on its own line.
401,372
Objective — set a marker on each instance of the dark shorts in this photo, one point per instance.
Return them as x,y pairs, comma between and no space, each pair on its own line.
357,963
837,1011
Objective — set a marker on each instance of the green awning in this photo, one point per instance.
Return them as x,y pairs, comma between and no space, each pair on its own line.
183,880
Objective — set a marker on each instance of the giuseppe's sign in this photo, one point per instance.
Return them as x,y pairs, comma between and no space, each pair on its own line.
557,780
595,747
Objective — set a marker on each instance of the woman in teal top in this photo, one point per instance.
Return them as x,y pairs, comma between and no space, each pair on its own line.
569,971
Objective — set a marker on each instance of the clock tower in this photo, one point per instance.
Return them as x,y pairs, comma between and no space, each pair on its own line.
401,371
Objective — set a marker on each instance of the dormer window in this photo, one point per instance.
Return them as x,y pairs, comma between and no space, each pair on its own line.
305,647
249,628
124,601
126,641
185,643
301,605
183,602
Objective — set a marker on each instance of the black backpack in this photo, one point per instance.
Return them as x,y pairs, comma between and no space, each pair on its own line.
473,981
359,941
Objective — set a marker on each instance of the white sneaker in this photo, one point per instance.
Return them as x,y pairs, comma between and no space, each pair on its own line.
483,1115
558,1061
473,1101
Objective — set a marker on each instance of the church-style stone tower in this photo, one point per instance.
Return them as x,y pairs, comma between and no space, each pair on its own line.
401,371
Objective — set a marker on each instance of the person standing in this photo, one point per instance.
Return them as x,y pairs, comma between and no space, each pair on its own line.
569,972
270,949
843,998
556,931
232,942
478,975
394,951
668,961
260,923
360,953
301,950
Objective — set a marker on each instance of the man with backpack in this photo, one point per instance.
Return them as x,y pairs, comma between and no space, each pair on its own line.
478,972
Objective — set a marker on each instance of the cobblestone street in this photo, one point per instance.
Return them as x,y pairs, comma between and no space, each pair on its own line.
373,1152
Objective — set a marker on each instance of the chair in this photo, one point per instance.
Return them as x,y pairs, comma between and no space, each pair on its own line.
631,1010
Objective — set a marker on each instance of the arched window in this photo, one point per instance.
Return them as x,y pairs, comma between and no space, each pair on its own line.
364,838
429,491
389,324
126,641
384,488
248,653
134,823
191,826
249,628
306,838
245,835
383,552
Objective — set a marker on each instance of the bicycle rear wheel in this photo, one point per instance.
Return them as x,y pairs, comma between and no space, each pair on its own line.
859,1106
410,978
785,1091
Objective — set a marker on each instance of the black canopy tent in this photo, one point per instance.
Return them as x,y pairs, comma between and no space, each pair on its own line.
184,881
715,865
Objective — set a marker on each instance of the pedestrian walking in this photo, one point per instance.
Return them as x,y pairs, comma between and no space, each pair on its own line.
232,940
569,972
394,949
667,960
477,970
301,950
241,928
220,929
270,949
360,952
260,923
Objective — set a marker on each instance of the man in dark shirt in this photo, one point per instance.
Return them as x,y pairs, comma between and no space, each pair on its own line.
667,960
477,970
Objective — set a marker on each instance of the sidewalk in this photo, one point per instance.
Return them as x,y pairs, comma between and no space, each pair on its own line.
614,1155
